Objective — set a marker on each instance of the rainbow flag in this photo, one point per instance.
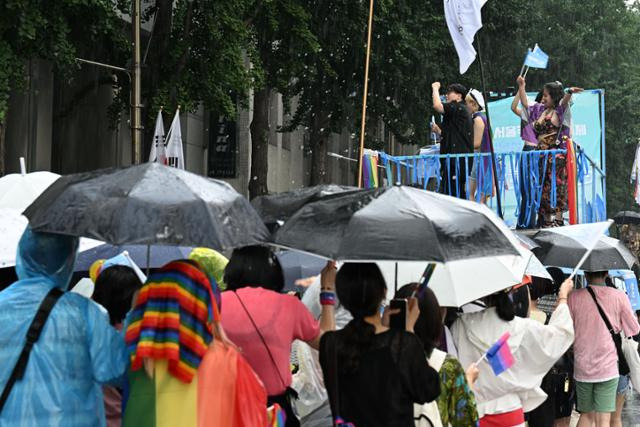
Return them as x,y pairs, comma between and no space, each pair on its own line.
370,169
572,182
499,355
225,392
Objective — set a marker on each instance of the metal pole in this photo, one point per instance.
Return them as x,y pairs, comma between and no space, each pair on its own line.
364,96
136,106
493,155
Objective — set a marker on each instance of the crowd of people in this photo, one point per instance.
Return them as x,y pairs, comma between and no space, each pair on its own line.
545,125
178,350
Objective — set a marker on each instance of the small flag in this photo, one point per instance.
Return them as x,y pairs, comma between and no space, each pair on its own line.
370,169
572,181
174,153
635,176
499,355
157,148
536,58
464,19
276,416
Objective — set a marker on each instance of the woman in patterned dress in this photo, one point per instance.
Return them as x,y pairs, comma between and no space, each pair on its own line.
547,118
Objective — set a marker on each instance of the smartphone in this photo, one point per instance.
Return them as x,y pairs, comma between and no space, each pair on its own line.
398,320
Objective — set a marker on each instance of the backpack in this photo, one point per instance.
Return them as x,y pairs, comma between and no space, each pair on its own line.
428,415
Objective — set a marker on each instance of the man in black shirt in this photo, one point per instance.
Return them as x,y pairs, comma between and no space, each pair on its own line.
457,138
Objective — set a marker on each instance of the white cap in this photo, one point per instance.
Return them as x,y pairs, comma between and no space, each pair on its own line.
477,96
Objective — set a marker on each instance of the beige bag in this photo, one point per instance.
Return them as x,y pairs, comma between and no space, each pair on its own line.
428,415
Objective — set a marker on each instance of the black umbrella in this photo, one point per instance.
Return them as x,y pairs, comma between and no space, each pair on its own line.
395,223
627,217
526,241
279,207
148,204
297,265
561,250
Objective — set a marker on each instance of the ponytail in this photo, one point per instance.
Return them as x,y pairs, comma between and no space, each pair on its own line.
358,339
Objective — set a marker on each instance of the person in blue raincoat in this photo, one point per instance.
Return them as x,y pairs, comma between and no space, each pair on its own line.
77,351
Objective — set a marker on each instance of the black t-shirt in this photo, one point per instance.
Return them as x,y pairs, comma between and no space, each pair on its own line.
392,376
457,129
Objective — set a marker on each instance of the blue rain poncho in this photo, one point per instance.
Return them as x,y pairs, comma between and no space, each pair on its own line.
76,353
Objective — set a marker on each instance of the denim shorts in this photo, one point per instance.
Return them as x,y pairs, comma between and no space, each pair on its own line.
623,384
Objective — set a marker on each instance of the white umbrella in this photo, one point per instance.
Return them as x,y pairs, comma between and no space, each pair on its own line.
459,282
19,190
12,225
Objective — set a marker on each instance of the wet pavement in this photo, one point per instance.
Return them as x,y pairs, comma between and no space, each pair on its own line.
631,411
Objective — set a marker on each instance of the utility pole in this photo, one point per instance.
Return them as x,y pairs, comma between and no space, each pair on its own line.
136,103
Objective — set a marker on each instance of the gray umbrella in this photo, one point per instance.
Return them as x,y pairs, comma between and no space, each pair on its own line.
148,204
279,207
561,250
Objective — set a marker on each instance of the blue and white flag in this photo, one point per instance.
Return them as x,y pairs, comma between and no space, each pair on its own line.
536,58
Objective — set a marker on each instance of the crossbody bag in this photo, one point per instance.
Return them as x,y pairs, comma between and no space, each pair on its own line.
623,367
33,333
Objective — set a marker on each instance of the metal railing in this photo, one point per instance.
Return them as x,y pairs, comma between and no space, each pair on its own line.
520,176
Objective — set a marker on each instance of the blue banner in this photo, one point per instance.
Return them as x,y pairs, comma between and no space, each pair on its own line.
586,109
630,286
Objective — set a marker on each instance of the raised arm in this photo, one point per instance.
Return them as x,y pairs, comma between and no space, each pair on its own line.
435,94
567,96
522,92
514,105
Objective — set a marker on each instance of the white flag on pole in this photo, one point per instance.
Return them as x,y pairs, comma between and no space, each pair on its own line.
464,20
157,148
635,175
175,155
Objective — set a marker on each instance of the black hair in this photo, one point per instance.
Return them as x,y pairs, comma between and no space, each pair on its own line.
539,96
254,266
361,289
114,291
520,298
503,304
594,275
556,92
429,326
459,89
540,287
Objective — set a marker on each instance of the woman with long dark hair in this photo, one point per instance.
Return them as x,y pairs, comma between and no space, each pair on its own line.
502,400
548,118
263,322
456,405
374,374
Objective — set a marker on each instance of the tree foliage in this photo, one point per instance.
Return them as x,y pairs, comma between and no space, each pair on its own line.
216,52
53,30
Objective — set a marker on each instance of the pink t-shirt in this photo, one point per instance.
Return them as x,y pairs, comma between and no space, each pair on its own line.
281,320
595,355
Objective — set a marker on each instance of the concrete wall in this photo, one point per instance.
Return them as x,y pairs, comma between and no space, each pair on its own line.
29,122
63,126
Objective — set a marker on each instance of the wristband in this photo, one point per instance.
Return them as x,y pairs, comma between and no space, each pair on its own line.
327,298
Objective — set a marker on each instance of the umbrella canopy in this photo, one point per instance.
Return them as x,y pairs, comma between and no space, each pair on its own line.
148,204
477,253
12,225
526,241
297,265
627,217
279,207
158,255
396,223
565,246
17,191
